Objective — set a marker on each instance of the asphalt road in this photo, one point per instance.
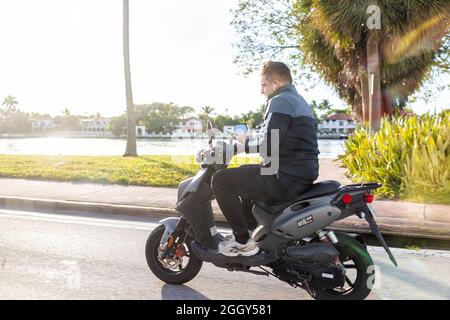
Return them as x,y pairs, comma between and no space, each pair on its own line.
48,256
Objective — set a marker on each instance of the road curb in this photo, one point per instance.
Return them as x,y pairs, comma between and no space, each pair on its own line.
61,206
438,231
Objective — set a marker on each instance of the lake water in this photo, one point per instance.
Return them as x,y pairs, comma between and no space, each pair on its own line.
114,147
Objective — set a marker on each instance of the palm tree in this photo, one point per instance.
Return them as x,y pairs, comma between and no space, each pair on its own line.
373,70
131,150
205,115
10,103
66,113
207,110
373,84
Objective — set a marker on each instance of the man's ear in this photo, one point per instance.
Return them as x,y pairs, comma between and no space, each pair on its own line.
276,84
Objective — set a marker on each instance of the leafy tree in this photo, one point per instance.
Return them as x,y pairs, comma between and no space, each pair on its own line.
223,120
253,118
40,116
19,122
161,117
67,121
13,120
118,125
321,110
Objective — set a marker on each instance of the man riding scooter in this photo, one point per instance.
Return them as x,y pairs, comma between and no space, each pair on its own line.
289,118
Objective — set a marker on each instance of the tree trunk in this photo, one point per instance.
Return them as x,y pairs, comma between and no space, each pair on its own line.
357,107
387,108
365,95
374,77
131,121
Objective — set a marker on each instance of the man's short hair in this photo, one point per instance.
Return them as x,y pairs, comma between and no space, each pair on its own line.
276,70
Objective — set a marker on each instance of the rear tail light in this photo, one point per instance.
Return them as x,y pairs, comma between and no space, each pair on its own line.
368,198
347,199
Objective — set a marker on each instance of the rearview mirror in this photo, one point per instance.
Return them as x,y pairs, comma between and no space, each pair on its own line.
240,129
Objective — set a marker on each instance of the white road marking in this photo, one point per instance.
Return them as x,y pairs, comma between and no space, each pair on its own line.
99,222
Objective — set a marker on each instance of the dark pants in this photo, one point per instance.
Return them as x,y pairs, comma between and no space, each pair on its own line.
235,188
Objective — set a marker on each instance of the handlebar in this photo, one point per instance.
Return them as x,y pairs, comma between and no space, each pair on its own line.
234,134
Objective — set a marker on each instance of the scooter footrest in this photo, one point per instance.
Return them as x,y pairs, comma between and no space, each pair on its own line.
260,259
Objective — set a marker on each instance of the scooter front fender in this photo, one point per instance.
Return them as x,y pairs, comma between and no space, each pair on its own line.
169,224
191,184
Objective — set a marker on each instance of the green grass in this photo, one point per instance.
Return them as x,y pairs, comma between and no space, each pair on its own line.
159,171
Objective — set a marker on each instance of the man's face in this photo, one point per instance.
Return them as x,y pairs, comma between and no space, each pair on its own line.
269,86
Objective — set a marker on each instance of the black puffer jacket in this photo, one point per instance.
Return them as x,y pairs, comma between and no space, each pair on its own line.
290,115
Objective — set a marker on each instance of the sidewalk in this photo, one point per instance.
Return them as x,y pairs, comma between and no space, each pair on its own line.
393,217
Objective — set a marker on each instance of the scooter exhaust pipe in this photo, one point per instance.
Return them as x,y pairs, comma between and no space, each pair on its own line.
314,253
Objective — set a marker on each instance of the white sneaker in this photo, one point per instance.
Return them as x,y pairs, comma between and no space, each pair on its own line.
229,237
231,248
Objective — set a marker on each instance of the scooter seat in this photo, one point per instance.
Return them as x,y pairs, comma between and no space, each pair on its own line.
317,190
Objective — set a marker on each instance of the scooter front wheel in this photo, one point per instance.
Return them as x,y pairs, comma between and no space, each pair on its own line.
179,266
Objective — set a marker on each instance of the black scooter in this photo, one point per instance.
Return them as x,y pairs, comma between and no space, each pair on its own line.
295,245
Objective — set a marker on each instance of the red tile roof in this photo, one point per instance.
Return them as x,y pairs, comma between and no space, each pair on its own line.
340,116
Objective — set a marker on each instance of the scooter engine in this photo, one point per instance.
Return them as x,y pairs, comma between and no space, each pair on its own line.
315,263
320,276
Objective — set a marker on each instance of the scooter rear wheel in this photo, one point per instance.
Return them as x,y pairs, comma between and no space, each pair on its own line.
174,270
357,261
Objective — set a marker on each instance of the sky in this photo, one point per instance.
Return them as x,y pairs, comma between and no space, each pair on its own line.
68,54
